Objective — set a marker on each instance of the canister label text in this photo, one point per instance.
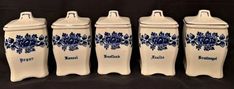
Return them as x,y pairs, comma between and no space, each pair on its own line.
111,56
71,58
207,58
157,57
25,59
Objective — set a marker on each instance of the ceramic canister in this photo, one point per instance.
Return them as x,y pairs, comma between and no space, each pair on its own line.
206,40
72,44
158,41
26,47
113,44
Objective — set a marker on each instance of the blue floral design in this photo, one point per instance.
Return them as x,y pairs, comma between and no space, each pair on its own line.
160,40
71,41
207,40
27,43
113,40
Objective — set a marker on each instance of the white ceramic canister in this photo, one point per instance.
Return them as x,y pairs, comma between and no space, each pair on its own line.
158,41
26,45
113,41
206,40
72,44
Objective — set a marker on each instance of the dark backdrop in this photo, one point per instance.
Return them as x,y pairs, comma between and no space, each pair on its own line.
177,9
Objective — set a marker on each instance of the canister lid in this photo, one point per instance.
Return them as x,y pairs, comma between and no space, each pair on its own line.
204,18
72,20
26,21
113,20
157,19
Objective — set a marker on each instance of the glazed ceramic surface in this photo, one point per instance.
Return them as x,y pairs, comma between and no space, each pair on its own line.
206,41
158,41
26,45
113,41
72,44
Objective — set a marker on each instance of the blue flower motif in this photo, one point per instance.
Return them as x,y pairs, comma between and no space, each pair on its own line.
161,40
206,40
27,43
114,39
71,41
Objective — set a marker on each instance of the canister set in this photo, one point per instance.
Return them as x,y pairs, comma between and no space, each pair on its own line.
26,43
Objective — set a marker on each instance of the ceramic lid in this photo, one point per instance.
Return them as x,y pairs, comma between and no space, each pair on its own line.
26,21
204,18
157,19
113,20
72,20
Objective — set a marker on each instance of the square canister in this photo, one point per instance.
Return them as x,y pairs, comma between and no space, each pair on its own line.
206,41
72,44
158,41
26,47
113,40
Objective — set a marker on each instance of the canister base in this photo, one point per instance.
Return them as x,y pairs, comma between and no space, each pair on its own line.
17,78
121,72
68,73
213,75
152,73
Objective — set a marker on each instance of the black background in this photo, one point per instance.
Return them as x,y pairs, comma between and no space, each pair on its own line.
177,9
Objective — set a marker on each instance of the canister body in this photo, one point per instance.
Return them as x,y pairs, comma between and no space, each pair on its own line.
113,49
27,53
158,50
72,49
206,50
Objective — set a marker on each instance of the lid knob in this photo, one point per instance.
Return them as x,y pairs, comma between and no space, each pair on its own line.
72,14
204,13
25,15
157,13
113,13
